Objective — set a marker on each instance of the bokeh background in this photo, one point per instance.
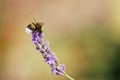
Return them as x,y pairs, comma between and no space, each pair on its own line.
84,34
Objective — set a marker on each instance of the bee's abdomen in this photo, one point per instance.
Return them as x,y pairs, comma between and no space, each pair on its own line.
35,27
31,26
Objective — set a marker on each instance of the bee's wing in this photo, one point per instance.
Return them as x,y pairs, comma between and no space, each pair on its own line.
41,23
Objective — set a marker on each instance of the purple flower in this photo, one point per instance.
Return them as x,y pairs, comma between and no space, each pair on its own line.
48,55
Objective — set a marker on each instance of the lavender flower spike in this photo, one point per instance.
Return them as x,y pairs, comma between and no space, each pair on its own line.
48,55
43,47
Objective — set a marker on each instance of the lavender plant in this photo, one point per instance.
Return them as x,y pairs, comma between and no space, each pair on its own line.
43,47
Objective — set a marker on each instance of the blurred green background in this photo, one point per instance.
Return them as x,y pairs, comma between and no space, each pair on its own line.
84,34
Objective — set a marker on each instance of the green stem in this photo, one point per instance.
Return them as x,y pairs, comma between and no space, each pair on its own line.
68,76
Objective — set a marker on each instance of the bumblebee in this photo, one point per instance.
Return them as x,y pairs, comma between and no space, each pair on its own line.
34,27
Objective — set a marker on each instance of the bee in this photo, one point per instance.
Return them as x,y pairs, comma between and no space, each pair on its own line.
34,27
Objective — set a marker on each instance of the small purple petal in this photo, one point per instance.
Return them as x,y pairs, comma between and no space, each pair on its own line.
62,67
54,71
59,73
45,54
50,62
48,50
46,45
40,35
55,58
41,41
